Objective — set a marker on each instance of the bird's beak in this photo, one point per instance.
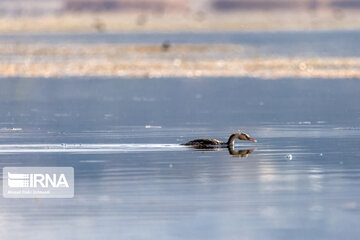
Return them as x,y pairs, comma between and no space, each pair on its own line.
251,139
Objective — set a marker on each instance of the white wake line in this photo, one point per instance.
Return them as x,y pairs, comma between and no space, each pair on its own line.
86,148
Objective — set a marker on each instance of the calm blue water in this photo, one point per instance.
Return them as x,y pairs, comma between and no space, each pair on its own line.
299,181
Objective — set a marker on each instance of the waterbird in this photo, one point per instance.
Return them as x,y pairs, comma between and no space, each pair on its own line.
165,46
210,143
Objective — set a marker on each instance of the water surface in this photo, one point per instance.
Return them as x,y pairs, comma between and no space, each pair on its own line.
134,181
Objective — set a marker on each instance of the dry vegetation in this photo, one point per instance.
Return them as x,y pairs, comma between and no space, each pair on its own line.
239,21
154,61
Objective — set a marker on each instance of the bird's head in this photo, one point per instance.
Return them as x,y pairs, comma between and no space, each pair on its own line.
244,136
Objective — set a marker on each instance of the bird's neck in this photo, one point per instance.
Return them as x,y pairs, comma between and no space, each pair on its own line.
231,140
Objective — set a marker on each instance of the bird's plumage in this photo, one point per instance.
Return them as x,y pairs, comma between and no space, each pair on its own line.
206,141
209,142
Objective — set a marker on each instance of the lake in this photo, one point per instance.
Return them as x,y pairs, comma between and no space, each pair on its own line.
133,179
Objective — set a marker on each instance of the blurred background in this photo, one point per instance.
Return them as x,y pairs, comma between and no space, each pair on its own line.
42,7
153,38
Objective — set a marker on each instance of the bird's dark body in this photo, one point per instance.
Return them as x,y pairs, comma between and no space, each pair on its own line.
206,142
211,143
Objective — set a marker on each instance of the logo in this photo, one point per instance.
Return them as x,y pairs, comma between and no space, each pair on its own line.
38,182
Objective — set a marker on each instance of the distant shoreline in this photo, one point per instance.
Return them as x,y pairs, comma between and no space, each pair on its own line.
167,59
193,22
152,61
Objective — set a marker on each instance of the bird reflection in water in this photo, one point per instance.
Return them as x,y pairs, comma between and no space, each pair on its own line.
240,153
